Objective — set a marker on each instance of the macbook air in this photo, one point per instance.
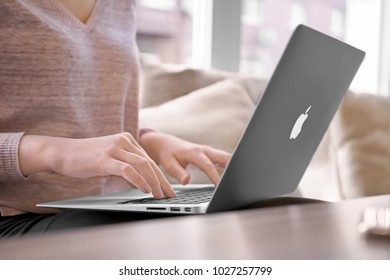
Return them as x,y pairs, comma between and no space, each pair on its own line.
301,98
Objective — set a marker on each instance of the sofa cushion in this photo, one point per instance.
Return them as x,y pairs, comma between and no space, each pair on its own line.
361,136
162,82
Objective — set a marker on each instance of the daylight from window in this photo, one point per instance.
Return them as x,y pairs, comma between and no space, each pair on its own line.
171,30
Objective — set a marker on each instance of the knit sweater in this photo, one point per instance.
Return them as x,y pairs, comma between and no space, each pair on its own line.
61,77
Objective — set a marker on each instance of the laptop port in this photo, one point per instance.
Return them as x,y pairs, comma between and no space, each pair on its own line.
156,208
175,209
187,209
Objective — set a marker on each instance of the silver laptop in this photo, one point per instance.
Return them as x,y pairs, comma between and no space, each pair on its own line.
301,98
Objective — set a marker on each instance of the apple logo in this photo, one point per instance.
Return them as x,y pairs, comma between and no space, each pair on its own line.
298,124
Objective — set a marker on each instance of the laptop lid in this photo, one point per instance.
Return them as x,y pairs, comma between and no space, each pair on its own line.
304,93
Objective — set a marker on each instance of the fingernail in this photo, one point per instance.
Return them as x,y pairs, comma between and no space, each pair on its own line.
147,189
172,193
184,179
160,194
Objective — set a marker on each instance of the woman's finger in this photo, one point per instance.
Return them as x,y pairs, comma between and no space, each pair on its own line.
164,184
201,161
122,169
177,170
145,168
218,157
154,176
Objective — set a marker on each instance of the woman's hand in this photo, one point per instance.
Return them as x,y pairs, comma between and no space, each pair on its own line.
175,154
117,154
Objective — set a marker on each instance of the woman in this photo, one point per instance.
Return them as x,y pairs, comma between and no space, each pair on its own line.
69,112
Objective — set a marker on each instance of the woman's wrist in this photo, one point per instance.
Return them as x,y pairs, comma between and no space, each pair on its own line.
36,154
148,143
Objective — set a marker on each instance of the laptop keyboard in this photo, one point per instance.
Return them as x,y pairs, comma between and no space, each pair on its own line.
182,197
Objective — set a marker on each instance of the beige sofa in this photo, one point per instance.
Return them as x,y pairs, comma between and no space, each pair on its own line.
213,107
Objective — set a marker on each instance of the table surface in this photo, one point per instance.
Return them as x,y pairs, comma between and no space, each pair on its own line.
311,231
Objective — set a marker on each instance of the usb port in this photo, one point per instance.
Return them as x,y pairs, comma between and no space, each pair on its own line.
187,209
175,209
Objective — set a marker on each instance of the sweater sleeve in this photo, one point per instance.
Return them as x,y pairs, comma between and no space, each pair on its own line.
9,158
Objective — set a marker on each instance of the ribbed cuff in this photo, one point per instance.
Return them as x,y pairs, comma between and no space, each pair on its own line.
9,157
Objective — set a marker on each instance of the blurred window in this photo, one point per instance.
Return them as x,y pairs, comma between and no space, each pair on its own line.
337,22
263,43
298,14
166,30
165,5
252,12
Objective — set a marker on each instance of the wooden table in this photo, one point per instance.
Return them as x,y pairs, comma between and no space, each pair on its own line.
314,231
